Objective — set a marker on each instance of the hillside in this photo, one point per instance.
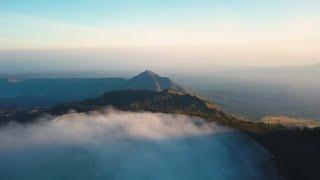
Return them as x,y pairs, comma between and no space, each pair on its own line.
295,151
167,101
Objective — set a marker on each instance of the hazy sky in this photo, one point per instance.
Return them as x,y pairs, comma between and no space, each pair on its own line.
245,32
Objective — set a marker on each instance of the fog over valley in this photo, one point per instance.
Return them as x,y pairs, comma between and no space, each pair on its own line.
125,145
256,92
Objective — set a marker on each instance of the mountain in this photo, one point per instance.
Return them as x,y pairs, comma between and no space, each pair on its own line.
294,150
149,80
167,101
28,93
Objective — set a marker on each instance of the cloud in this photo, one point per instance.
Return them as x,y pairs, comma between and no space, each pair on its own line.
109,125
125,145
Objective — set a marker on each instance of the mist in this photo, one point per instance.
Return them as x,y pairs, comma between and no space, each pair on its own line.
124,145
255,93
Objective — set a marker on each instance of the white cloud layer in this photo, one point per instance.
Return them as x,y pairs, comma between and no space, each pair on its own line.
129,146
110,125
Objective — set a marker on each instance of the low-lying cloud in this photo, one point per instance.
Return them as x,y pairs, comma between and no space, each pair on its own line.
110,125
126,145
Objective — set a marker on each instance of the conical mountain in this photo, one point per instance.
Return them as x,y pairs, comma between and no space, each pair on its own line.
149,80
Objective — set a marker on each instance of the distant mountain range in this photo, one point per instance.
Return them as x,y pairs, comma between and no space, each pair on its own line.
28,93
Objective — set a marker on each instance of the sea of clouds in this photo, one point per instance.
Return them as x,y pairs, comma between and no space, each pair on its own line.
127,146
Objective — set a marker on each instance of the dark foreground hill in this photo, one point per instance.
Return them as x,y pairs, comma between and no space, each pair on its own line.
295,151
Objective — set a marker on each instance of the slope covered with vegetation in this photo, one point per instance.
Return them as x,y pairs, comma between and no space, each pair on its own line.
296,151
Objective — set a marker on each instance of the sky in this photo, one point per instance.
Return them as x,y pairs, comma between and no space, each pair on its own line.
209,32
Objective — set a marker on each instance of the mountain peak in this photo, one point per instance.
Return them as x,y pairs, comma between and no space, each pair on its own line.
149,80
149,73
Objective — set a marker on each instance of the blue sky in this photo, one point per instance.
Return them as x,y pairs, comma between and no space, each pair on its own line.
95,12
225,29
